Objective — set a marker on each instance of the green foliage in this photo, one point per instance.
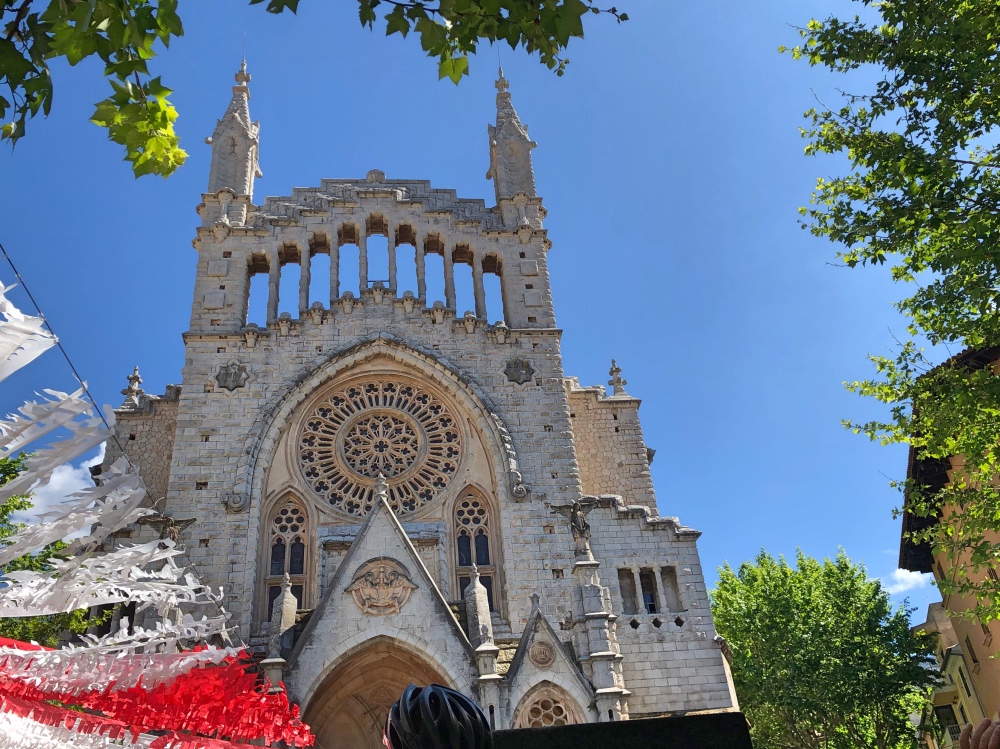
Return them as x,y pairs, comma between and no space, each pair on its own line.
820,658
45,630
125,35
921,196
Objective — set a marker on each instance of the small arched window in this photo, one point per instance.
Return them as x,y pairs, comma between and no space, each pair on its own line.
474,544
547,705
287,553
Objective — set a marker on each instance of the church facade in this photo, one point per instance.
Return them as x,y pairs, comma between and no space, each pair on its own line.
390,489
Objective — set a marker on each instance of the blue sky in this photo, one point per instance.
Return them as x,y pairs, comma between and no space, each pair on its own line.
671,166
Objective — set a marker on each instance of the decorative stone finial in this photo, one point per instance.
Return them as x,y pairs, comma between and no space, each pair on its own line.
502,84
616,381
243,77
535,602
381,487
133,391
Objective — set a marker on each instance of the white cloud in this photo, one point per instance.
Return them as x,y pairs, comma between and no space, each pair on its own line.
65,480
902,581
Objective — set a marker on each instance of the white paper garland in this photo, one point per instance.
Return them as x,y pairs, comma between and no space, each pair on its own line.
22,338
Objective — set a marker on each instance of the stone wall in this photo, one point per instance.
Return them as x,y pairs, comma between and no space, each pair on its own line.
610,448
145,429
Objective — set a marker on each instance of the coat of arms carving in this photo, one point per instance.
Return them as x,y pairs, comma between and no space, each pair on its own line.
519,371
232,376
381,586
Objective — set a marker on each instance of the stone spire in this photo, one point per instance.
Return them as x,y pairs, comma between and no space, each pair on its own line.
510,149
235,143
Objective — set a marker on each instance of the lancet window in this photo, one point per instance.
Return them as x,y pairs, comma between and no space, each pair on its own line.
474,544
287,552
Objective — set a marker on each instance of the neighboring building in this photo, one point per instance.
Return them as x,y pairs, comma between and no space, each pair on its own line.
391,489
955,703
968,642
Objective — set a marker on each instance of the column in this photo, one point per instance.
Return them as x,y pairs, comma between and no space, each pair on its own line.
661,594
421,276
641,602
363,255
334,269
305,273
392,258
273,281
477,284
449,275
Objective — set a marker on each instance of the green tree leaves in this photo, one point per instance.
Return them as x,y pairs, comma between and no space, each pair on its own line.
126,34
921,196
820,659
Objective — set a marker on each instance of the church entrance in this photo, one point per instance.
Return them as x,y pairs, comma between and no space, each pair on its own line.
349,708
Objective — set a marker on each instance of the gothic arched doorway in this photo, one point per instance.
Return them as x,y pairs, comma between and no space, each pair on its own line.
349,708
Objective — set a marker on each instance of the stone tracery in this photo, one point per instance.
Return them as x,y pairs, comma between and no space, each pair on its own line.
375,426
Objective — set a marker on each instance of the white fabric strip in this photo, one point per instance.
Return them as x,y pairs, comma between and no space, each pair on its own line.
87,434
22,338
35,419
88,580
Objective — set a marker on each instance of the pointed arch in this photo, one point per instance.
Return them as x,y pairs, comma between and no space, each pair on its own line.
547,704
475,540
287,546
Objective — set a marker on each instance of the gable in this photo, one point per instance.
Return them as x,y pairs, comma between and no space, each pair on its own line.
381,590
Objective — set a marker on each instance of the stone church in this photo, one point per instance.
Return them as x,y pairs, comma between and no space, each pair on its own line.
390,489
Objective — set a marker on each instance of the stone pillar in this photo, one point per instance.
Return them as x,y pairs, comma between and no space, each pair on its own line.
449,276
305,274
640,601
421,273
480,625
604,657
334,269
392,258
363,255
661,594
479,291
280,633
273,283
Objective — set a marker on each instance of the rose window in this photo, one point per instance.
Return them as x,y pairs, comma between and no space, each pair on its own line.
380,444
379,427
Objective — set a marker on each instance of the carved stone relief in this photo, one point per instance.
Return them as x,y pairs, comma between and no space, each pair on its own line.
381,586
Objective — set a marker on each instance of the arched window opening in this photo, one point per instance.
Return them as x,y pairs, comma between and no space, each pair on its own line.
378,261
289,280
256,302
434,272
348,260
287,547
496,308
406,261
547,705
319,271
474,545
465,287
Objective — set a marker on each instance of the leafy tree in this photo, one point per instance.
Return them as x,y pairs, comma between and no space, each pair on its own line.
820,658
45,630
126,34
921,194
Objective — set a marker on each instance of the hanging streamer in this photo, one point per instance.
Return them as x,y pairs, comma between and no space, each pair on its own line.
99,510
87,435
35,420
22,338
116,577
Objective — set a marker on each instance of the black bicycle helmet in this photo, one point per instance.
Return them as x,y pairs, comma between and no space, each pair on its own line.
436,717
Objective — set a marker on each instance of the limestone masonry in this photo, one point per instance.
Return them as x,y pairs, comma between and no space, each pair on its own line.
392,490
